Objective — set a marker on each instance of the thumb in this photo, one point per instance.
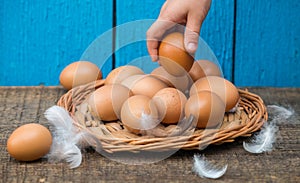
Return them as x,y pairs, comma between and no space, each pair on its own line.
191,34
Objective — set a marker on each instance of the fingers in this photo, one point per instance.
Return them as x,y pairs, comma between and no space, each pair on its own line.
152,46
163,8
191,34
154,35
193,25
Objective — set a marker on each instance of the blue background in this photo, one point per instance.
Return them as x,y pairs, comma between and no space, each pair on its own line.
256,42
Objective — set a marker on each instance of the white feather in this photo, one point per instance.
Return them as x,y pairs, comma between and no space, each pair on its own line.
264,141
65,137
59,117
279,114
65,151
148,121
206,170
73,156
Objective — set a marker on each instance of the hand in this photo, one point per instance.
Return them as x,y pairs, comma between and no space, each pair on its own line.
173,12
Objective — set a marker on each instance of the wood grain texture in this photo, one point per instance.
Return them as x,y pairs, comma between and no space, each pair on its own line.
22,105
267,43
131,39
39,38
217,31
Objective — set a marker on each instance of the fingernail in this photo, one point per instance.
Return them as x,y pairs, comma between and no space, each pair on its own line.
192,47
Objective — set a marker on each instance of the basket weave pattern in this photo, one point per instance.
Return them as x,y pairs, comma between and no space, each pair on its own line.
250,115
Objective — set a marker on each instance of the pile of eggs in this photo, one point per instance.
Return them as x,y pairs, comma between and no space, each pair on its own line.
177,89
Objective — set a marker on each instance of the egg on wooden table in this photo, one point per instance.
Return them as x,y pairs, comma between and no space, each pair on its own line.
203,68
117,75
173,56
207,107
29,142
144,85
170,103
79,73
139,113
106,101
222,87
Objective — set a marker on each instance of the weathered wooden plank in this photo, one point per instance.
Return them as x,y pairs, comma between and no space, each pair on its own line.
24,105
217,31
133,19
39,38
267,43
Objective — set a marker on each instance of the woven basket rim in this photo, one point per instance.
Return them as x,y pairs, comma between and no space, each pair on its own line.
251,105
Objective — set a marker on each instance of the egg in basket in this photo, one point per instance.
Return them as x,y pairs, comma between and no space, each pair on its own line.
181,104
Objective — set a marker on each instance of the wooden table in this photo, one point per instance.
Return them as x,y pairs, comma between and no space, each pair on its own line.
20,105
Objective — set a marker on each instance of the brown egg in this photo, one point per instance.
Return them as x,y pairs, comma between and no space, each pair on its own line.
181,82
207,108
222,87
139,113
173,56
117,75
170,104
106,101
144,85
29,142
79,73
203,68
131,80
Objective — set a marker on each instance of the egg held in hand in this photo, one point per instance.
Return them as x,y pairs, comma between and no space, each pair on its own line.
29,142
173,56
106,101
220,86
139,113
79,73
207,108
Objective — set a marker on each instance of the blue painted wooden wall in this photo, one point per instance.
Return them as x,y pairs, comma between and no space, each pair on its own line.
256,42
267,46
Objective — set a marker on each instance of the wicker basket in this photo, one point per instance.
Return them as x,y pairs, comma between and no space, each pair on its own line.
248,118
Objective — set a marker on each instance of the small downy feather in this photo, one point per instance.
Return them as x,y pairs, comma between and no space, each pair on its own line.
65,137
279,114
264,141
205,170
59,117
65,151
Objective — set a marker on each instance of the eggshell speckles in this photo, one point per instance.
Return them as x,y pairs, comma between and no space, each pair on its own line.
79,73
29,142
173,56
170,104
